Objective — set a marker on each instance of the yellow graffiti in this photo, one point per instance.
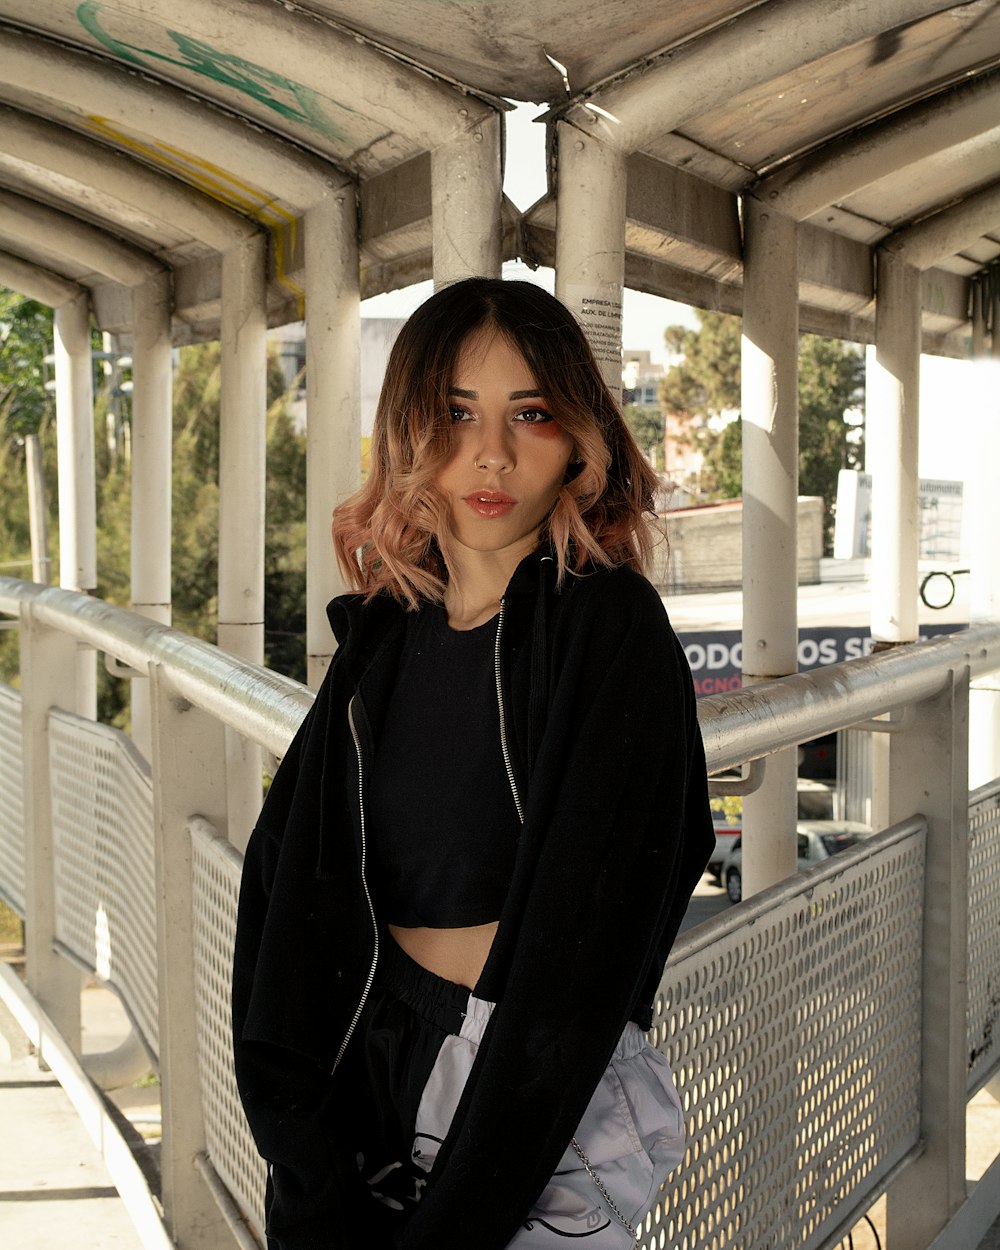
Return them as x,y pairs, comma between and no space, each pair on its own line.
225,188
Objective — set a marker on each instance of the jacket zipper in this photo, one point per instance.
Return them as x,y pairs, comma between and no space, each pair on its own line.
588,1166
364,884
503,720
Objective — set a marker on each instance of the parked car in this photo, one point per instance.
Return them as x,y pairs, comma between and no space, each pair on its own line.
818,840
727,834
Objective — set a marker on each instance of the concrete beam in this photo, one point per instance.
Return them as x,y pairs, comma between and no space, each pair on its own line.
839,169
948,231
634,108
834,272
337,82
212,150
35,282
35,147
678,217
60,235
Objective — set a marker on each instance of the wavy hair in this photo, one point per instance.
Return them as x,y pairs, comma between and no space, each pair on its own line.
393,534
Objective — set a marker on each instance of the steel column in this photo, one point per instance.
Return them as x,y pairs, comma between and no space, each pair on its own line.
466,191
590,242
984,561
242,468
893,404
770,501
189,765
75,431
152,447
978,318
77,485
49,678
928,770
38,522
333,391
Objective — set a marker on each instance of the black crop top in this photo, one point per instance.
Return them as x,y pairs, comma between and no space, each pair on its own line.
441,818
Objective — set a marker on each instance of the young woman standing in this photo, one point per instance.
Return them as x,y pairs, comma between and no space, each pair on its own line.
477,852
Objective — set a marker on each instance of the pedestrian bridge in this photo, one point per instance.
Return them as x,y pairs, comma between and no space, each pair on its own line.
825,1035
171,174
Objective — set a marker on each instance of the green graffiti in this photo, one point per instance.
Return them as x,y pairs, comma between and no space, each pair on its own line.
226,69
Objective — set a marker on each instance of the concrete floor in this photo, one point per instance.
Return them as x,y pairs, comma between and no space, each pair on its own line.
55,1193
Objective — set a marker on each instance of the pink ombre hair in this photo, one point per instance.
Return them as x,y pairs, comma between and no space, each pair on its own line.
392,535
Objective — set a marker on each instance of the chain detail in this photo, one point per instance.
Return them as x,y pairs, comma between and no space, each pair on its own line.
602,1190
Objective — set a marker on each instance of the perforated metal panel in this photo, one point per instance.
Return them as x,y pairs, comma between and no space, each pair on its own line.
216,887
983,1030
11,803
102,813
794,1037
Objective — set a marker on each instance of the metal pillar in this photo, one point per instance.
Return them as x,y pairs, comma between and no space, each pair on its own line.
77,489
466,190
49,678
188,767
38,523
978,319
770,500
994,289
242,467
893,406
892,387
928,764
984,561
333,390
590,242
75,431
152,444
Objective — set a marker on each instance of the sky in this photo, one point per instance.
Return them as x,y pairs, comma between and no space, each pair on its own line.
644,317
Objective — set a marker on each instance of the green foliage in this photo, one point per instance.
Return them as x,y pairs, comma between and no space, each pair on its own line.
706,381
197,392
703,392
25,341
25,409
26,331
646,425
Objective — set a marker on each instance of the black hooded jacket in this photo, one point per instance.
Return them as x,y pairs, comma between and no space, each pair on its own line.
608,763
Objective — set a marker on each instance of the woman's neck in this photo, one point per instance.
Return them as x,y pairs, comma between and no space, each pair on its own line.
476,583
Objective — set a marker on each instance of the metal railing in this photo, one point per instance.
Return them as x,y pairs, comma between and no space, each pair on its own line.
798,1025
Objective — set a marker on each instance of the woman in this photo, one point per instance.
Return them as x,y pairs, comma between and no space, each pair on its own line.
476,854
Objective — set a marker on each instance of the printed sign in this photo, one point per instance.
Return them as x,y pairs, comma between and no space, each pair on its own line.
599,312
716,656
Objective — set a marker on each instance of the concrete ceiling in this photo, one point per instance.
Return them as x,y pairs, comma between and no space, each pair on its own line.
866,121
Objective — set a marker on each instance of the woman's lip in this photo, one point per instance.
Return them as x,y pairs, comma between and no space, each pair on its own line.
489,503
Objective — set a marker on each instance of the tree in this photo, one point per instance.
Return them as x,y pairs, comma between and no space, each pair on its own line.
25,341
197,392
195,500
703,391
25,409
646,425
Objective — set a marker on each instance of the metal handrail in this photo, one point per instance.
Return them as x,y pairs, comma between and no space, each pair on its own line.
738,726
771,715
257,702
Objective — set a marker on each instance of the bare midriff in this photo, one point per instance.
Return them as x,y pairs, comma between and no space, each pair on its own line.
456,955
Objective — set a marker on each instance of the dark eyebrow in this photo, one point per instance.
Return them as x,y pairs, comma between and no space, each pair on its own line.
454,390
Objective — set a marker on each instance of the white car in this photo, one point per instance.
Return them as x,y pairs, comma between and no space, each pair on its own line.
727,835
818,840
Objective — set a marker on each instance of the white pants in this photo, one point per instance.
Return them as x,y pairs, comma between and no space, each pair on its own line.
632,1134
